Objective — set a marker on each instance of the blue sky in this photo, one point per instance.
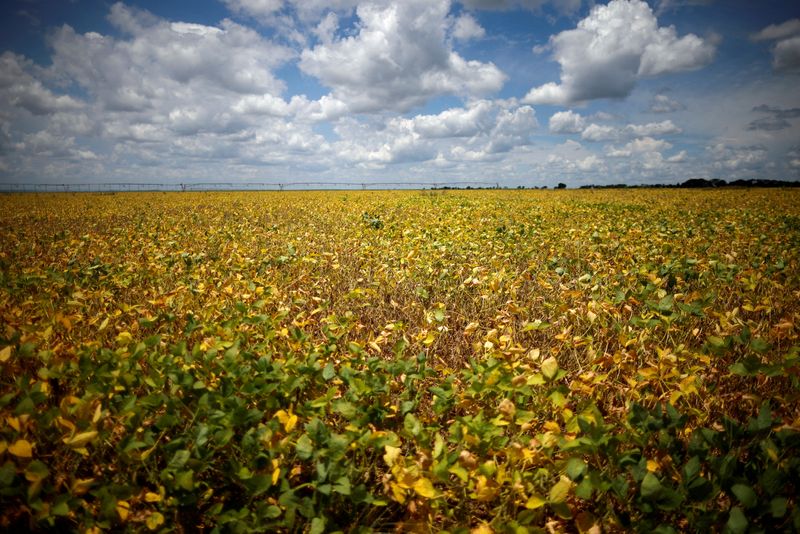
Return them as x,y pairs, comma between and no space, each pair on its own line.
519,92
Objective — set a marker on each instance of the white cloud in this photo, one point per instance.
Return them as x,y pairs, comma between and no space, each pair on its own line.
19,88
399,58
598,132
680,157
602,132
786,55
613,47
647,144
736,157
326,29
466,28
662,103
160,58
786,52
561,6
259,9
589,163
778,31
480,131
477,117
567,122
653,128
638,146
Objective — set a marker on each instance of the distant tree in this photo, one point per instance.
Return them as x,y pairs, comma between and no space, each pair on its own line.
561,186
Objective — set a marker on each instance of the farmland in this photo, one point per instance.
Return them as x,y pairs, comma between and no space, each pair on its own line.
461,360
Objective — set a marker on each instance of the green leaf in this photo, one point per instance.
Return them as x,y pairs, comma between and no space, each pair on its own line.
342,486
575,468
412,424
329,371
691,469
745,494
737,522
185,480
60,508
36,471
759,345
764,420
535,501
317,525
179,459
777,507
304,447
651,486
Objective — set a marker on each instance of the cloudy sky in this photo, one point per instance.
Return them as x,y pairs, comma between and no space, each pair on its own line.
520,92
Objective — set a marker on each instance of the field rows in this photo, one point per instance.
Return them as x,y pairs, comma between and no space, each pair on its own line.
504,361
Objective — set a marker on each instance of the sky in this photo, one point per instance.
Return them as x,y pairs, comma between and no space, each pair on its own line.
515,92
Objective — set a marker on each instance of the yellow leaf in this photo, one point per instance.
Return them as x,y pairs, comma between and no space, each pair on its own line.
535,501
425,488
81,485
21,448
124,338
154,520
152,497
3,446
559,491
5,354
483,528
398,492
122,509
79,440
103,325
391,454
485,489
287,419
550,368
13,422
275,476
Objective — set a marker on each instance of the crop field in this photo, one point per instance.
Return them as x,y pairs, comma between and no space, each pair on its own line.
484,361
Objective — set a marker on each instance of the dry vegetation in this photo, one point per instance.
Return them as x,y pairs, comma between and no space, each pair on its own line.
489,360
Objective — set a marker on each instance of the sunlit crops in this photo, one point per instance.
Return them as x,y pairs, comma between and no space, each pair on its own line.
490,360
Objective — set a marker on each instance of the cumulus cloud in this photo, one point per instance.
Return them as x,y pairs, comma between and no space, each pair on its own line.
662,103
254,8
653,128
736,157
786,52
612,48
599,132
469,121
466,28
602,132
680,157
567,122
786,55
639,146
19,88
561,6
776,119
399,58
793,159
778,31
477,132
